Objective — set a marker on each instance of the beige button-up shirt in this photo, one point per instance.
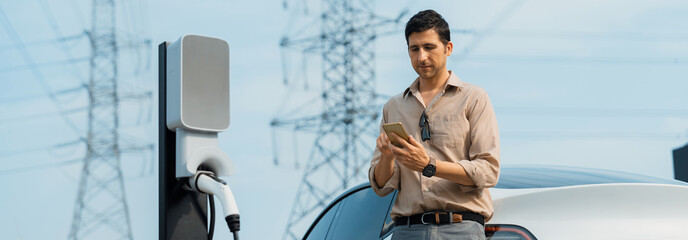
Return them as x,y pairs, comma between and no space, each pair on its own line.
463,130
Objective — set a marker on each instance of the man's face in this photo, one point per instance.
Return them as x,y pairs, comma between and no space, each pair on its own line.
428,54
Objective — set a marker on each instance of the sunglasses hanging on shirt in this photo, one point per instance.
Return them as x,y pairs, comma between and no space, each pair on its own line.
424,127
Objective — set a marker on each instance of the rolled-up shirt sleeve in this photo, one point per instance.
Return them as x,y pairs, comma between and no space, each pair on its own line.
390,185
483,165
393,182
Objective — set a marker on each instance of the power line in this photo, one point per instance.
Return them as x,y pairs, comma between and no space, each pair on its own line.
42,148
58,33
480,36
79,14
561,135
580,60
34,68
37,116
40,167
46,42
593,112
65,62
624,36
48,13
584,60
33,97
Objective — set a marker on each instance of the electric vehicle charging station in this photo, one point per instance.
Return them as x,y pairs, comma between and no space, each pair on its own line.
193,109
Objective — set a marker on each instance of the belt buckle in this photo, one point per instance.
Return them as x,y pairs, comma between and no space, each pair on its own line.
437,217
422,218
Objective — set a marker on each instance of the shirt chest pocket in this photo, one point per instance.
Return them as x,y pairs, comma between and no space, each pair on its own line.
448,130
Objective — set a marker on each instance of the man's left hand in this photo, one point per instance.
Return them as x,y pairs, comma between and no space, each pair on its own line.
411,154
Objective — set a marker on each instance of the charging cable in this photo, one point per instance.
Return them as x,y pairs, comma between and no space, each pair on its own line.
206,182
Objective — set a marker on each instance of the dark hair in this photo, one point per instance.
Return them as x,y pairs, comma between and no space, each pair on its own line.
425,20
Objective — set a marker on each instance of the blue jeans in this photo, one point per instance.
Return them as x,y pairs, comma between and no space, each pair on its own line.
463,230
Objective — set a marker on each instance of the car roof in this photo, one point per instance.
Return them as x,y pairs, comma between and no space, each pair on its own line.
543,176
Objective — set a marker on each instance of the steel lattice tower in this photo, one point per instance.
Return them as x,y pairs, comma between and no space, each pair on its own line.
348,124
101,203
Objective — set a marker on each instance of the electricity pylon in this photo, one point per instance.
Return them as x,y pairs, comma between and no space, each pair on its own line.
101,205
347,127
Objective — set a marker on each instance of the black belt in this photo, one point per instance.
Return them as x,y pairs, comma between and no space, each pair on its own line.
440,218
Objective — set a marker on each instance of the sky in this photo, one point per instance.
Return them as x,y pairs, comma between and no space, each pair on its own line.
597,84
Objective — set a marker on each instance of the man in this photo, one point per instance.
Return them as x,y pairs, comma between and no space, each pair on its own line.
452,157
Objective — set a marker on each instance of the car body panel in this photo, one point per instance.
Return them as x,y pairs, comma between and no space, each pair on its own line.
551,202
599,211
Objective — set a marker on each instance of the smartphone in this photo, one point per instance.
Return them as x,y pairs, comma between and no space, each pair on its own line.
395,128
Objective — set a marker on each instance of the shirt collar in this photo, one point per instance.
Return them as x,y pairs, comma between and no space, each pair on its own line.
453,81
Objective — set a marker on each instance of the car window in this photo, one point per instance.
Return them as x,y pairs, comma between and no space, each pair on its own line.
321,228
557,176
361,215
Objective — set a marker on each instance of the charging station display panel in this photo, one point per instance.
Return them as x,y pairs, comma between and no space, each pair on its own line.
198,84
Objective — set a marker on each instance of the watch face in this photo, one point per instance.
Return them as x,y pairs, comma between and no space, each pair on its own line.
429,170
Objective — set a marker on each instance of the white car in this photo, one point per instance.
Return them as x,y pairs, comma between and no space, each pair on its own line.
538,202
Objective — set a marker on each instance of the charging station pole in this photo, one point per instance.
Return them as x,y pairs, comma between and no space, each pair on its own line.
182,213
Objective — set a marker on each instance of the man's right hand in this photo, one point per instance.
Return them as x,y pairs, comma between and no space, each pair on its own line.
383,145
385,167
